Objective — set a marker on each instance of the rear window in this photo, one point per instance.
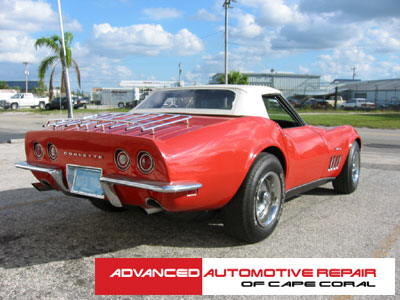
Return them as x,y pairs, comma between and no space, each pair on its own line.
193,99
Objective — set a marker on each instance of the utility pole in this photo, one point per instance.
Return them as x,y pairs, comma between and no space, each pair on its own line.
64,64
226,5
179,73
336,96
354,71
26,72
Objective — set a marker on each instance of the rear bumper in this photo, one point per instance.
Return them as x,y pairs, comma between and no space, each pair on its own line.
108,183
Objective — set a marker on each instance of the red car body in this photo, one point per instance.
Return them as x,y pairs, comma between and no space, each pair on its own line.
199,162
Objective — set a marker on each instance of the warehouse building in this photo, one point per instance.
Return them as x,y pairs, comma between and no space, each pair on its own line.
130,92
382,92
288,83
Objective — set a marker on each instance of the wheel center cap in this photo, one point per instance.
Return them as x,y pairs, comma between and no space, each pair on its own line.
266,198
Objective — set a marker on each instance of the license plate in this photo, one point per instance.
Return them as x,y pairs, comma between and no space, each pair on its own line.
85,181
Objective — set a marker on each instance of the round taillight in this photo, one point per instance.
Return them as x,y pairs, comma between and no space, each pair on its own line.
52,151
38,150
145,162
122,160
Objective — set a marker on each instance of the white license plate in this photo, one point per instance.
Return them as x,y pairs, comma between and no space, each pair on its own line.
85,181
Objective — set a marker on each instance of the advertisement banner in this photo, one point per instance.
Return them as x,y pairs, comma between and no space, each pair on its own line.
245,276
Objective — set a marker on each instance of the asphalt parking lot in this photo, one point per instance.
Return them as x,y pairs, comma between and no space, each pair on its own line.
48,241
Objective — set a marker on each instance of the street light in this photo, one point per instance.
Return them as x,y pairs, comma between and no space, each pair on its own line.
226,5
64,63
26,72
180,70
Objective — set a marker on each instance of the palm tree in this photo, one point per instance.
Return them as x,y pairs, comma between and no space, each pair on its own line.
51,62
234,77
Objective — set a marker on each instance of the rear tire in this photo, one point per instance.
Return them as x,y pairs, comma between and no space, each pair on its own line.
42,105
121,105
348,179
104,205
254,211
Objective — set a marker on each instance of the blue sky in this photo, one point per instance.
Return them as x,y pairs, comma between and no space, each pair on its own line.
140,40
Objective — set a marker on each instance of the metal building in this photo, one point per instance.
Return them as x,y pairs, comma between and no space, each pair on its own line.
289,83
381,92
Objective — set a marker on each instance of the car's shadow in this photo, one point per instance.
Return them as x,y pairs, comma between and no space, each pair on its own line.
54,227
319,191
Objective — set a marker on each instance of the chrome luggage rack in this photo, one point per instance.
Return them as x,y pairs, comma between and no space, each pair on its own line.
144,121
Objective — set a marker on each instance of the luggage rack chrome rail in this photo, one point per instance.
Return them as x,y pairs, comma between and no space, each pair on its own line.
131,121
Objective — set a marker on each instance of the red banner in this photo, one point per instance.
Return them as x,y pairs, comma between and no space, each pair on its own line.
148,276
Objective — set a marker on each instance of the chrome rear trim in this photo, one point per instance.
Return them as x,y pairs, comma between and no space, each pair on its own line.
153,186
56,174
110,193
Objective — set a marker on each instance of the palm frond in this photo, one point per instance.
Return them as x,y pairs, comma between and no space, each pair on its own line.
68,37
45,64
68,58
47,42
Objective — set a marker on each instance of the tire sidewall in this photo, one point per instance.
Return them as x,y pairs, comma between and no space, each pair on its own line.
355,147
265,163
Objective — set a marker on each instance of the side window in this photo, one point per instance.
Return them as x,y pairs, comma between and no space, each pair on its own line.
278,113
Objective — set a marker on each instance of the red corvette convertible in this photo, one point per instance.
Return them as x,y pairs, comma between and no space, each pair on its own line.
242,149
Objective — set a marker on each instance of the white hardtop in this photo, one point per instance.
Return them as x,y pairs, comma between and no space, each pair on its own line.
248,101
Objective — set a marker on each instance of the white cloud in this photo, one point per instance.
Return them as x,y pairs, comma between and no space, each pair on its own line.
19,19
204,15
143,39
340,62
31,16
246,27
186,43
16,47
160,13
275,12
304,70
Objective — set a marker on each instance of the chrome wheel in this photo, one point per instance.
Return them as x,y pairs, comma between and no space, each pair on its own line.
355,167
268,197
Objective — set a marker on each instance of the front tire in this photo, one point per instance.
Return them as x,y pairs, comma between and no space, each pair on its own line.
348,179
42,105
105,205
254,211
14,106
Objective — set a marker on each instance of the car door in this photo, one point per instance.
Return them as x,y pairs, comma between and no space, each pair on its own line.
306,150
23,101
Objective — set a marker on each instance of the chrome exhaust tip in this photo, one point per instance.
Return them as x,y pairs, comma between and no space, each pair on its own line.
42,186
152,206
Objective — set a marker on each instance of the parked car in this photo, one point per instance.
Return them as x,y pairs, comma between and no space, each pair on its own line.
358,103
235,148
339,101
62,103
316,103
24,100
